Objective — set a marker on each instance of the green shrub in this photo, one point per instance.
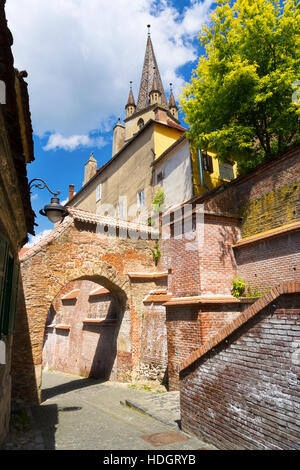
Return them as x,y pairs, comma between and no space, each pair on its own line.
238,287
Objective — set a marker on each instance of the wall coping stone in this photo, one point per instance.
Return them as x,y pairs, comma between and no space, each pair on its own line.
195,300
275,232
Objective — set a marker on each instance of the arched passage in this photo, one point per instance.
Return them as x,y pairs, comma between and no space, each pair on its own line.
75,252
88,331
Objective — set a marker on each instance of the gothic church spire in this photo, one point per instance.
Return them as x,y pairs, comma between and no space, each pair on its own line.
150,65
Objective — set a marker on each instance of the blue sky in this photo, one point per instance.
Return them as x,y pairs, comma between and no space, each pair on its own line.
80,56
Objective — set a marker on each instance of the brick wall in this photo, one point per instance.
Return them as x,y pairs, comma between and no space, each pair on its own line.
85,349
74,251
244,393
188,327
266,198
268,262
204,267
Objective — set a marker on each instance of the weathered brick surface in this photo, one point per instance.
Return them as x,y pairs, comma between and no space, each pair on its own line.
78,253
188,327
267,198
86,349
268,262
244,394
206,267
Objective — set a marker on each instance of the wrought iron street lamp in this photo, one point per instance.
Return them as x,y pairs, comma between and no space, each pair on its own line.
54,211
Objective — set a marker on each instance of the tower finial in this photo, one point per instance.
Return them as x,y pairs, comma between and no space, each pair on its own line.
148,26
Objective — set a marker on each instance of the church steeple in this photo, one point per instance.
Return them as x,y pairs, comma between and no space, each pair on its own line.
130,106
150,65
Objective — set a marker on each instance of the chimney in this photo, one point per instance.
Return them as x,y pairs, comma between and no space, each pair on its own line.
71,191
90,169
118,138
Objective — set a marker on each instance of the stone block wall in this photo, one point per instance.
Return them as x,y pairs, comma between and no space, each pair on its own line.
154,354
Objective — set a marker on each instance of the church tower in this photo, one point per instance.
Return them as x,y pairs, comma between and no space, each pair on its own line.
152,101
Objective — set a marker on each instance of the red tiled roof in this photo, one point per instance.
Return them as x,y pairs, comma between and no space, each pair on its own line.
176,126
87,217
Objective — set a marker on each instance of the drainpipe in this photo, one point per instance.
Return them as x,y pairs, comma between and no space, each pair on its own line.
201,172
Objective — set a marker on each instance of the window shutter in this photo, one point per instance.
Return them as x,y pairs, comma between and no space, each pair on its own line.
7,296
140,199
98,192
4,248
210,164
204,161
14,298
226,171
207,163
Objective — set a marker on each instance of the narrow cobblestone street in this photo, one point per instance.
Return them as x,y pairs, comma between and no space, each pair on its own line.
86,414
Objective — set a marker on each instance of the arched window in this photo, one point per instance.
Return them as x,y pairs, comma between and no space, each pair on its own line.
140,123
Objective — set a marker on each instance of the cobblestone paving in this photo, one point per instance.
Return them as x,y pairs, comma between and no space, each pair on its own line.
164,407
86,414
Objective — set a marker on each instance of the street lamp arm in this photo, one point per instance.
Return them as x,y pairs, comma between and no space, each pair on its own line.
41,185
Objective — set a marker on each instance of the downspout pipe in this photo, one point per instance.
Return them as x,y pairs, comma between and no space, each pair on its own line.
201,171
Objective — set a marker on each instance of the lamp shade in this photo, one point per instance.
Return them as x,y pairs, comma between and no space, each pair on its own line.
54,211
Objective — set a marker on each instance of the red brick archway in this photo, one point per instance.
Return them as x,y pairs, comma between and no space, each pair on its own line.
74,251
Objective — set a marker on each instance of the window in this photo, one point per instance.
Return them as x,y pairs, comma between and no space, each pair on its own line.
226,171
9,280
98,192
160,177
140,199
207,162
121,210
140,124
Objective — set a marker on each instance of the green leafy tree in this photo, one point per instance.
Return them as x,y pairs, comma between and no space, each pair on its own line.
159,200
239,102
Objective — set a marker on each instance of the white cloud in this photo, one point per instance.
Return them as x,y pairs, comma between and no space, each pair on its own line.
71,143
81,55
37,238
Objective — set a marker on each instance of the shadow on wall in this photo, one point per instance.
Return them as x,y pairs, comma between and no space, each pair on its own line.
24,386
82,334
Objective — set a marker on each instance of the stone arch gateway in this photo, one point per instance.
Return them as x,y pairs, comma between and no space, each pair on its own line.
75,251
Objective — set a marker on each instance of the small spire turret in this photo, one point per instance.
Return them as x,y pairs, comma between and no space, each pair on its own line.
155,93
172,103
130,106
